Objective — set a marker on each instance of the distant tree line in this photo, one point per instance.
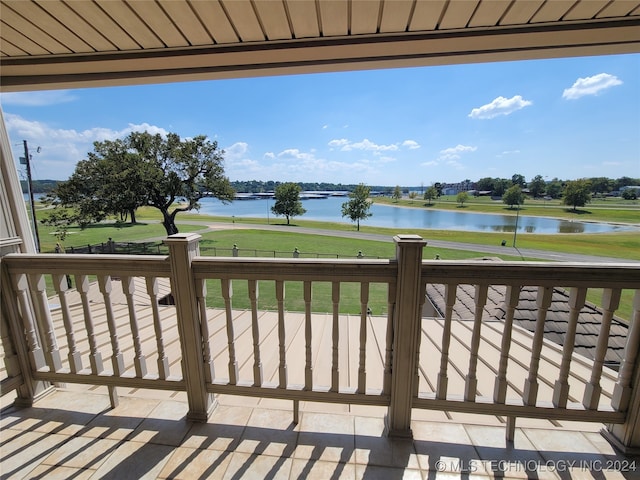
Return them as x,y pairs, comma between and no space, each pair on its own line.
39,186
539,187
260,186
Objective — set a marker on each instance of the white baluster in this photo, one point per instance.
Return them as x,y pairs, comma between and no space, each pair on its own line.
577,298
512,296
335,336
75,358
227,294
422,296
543,302
364,305
388,351
471,380
201,295
443,379
282,349
163,360
623,388
139,361
308,369
255,331
95,357
610,303
117,358
39,294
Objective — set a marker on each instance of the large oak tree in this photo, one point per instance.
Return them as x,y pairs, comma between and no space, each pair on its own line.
170,174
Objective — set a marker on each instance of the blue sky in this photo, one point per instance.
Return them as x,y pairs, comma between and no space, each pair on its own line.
565,118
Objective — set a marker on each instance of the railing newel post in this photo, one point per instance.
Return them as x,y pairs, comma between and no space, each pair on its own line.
406,331
183,248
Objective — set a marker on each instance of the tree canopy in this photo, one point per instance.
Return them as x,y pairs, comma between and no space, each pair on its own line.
577,193
430,194
397,193
357,208
287,196
513,196
143,169
537,186
462,197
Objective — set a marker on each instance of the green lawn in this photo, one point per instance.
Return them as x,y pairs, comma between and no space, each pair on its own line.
294,297
284,243
100,233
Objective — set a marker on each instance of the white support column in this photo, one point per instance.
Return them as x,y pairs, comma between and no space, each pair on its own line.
15,237
406,325
183,248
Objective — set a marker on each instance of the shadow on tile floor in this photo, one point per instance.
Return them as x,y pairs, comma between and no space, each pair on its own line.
49,441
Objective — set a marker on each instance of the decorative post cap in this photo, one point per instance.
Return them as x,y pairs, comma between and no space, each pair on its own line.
409,238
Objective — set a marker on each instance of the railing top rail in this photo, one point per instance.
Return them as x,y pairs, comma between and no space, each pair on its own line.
609,275
296,269
119,265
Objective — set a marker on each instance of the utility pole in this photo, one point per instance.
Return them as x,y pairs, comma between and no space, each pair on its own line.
34,222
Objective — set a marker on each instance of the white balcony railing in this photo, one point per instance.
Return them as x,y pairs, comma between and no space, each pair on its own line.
110,329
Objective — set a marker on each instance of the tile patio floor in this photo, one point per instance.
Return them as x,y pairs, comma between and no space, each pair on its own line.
73,434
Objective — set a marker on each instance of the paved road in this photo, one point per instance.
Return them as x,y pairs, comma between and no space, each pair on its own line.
485,249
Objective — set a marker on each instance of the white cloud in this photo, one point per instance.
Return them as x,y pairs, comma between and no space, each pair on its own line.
36,99
296,154
499,106
455,164
338,142
590,86
368,146
237,150
294,164
244,163
63,148
450,156
454,152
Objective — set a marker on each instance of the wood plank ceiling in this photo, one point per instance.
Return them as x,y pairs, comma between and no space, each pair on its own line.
48,44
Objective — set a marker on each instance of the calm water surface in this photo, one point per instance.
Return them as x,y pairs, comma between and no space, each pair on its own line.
329,209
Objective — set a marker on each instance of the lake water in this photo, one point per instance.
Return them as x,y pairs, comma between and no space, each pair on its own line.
329,209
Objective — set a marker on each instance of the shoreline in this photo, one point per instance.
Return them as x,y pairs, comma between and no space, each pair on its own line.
633,225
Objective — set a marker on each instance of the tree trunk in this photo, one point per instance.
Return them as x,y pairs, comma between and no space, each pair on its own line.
132,212
168,222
